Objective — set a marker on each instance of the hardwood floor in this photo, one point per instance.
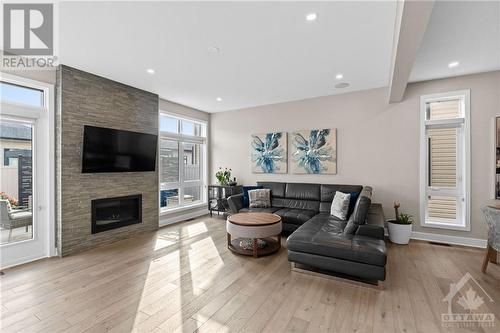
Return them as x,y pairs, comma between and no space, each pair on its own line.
183,279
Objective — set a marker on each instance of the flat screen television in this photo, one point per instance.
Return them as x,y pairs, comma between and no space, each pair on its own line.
110,150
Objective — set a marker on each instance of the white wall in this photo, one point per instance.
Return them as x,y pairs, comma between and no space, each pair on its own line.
377,142
183,111
47,76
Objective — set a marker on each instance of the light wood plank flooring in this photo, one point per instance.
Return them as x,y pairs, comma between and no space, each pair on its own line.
183,279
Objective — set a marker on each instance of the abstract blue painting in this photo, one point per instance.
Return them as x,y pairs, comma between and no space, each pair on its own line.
269,153
314,151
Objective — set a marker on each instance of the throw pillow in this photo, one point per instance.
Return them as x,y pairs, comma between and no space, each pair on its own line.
352,202
246,201
260,198
340,205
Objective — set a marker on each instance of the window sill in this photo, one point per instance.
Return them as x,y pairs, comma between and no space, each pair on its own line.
166,212
440,225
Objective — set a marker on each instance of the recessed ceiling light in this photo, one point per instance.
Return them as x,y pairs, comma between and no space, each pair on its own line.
219,99
311,16
339,76
213,49
150,71
453,64
342,85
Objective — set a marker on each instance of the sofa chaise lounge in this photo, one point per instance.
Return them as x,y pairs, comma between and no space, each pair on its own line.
353,247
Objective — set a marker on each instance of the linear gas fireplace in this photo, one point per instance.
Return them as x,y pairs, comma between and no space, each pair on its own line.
112,213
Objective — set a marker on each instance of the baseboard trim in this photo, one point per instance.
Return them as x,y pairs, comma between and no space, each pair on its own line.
21,261
446,239
168,220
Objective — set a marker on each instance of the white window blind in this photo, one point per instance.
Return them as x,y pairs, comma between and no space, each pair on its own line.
442,156
443,208
444,110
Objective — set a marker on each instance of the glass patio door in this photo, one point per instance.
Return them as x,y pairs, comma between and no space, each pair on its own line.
16,179
26,171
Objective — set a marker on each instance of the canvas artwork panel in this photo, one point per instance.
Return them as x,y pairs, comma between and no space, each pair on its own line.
314,151
269,152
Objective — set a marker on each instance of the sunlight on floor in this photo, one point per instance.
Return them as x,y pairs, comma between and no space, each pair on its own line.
168,239
211,264
186,263
195,229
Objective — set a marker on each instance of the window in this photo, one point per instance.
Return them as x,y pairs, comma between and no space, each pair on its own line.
13,93
182,163
444,160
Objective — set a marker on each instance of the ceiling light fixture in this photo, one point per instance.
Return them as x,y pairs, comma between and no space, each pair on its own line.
453,64
311,16
339,76
342,85
213,49
219,99
150,71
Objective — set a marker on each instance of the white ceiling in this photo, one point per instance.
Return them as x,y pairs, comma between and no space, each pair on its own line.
467,32
268,53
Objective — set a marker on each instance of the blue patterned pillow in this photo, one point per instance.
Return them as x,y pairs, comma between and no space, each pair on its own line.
246,199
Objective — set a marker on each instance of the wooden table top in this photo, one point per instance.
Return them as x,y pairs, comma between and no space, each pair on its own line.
254,219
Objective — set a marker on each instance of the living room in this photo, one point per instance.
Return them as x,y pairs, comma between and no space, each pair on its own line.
250,166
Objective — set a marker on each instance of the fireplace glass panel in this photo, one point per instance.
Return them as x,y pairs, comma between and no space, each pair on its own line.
111,213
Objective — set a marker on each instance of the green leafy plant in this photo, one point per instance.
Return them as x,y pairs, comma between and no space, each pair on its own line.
401,218
223,176
404,219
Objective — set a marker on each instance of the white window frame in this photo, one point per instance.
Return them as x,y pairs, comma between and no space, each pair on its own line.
463,159
181,184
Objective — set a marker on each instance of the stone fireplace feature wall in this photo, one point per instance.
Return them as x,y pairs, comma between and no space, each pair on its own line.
86,99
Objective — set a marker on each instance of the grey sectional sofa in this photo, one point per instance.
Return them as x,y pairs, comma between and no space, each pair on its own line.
353,247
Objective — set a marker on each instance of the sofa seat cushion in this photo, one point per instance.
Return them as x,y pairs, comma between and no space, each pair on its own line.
260,209
295,216
324,236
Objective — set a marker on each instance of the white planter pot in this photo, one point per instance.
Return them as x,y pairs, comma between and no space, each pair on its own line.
399,233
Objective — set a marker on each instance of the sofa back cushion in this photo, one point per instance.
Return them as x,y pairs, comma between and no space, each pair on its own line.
295,204
302,191
360,212
277,189
293,195
317,197
327,192
362,205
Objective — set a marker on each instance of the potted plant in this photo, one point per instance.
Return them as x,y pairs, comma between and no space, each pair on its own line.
400,227
223,176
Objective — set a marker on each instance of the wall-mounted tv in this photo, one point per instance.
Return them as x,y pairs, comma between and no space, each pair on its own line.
110,150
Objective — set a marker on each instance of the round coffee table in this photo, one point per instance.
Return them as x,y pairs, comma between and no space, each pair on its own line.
254,226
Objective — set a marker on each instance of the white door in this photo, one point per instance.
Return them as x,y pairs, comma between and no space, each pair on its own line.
26,171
